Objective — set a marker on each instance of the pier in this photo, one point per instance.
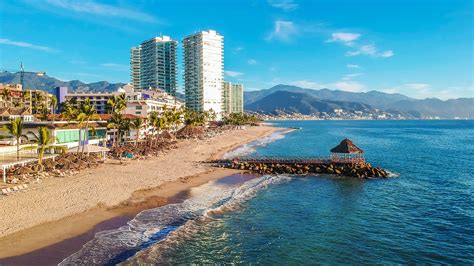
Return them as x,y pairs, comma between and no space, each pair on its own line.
346,159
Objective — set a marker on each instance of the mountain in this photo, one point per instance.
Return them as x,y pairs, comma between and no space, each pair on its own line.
375,98
388,102
298,102
46,83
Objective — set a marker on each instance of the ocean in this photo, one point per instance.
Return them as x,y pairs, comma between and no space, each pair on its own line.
424,214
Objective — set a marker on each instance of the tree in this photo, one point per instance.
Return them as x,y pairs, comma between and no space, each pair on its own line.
15,129
114,123
45,140
193,118
116,104
54,105
124,126
137,124
90,113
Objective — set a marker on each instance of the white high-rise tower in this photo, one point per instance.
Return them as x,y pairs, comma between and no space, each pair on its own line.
204,71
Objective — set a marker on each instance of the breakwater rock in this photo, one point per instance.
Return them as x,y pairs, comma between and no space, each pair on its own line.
359,170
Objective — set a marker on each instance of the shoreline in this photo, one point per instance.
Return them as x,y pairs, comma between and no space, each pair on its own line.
31,238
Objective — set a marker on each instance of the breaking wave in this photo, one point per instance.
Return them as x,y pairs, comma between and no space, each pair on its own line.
170,221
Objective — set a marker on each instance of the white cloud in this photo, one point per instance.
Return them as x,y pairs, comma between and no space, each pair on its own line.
283,30
252,62
114,66
388,53
286,5
92,7
238,49
307,84
26,45
425,90
352,66
418,86
391,91
370,50
363,50
347,38
352,86
233,73
351,76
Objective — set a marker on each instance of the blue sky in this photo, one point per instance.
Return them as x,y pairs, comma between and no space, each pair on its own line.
421,48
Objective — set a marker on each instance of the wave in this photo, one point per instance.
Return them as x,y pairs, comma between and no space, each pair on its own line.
392,174
251,147
156,225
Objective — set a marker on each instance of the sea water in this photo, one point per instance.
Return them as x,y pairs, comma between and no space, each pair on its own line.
423,215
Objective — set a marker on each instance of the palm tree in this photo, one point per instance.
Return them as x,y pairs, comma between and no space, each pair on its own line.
54,105
137,124
114,123
117,104
90,113
45,140
153,121
75,115
15,128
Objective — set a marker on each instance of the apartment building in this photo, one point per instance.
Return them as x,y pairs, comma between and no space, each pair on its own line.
204,71
233,97
153,65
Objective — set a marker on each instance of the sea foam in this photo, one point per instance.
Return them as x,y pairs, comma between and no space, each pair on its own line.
156,225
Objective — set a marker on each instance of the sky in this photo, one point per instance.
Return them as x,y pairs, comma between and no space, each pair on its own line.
420,48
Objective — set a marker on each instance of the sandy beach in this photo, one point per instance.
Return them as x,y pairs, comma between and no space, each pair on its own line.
61,208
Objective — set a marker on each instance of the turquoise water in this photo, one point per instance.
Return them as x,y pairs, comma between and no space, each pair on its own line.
424,215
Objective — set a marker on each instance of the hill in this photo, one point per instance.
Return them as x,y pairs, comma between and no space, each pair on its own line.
297,102
47,83
388,102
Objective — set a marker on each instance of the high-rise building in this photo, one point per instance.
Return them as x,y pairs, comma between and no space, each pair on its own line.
233,97
204,71
135,67
153,65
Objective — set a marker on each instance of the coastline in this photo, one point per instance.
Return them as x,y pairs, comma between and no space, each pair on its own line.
66,212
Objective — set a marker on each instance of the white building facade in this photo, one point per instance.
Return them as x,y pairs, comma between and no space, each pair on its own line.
204,71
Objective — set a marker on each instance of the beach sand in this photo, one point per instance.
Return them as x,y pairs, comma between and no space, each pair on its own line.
59,209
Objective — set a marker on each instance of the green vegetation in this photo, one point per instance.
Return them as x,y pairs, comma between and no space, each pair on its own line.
193,118
45,140
15,129
239,119
137,124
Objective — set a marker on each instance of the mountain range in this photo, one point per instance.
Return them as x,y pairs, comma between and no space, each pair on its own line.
47,83
292,99
309,101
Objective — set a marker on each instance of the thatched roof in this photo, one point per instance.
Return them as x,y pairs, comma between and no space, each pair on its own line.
166,135
346,146
7,111
189,132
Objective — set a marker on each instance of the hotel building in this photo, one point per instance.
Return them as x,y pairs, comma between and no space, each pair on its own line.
153,65
204,71
233,97
137,103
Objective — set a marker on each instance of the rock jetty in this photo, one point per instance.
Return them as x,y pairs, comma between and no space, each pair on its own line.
359,170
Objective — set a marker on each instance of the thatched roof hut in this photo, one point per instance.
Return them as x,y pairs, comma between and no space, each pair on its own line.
166,135
190,132
346,146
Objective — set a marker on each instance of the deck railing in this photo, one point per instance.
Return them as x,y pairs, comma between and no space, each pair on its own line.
296,160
